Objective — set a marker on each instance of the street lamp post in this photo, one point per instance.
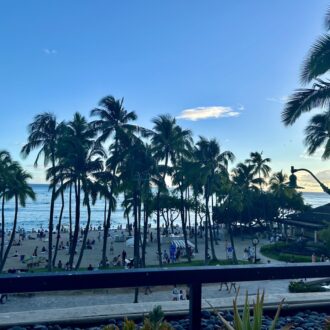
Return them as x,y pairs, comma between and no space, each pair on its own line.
255,242
293,179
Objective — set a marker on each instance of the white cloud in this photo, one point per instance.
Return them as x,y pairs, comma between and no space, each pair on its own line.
207,112
49,51
317,154
281,99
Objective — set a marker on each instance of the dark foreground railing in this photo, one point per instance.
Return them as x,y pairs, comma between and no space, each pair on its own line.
192,276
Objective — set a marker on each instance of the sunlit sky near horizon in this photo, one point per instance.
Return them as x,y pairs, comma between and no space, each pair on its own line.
223,68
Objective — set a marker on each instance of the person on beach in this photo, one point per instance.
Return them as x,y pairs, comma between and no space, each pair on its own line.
313,257
123,257
147,290
59,264
35,252
175,293
111,247
151,237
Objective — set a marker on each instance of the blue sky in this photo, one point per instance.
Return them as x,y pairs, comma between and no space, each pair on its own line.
238,60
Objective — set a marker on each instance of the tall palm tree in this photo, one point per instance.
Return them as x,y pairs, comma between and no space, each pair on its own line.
315,66
211,161
79,154
169,143
20,191
114,122
43,134
5,166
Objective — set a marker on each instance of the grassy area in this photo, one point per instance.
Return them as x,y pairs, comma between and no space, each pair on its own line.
275,251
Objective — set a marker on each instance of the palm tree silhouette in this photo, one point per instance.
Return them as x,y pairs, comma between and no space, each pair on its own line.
315,66
19,189
43,134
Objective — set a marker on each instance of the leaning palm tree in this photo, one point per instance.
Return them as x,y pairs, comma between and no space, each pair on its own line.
43,134
5,166
20,190
314,70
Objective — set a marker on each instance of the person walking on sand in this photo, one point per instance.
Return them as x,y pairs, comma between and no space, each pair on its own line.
35,252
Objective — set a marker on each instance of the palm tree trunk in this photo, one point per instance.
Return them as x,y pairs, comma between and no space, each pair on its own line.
196,226
2,225
70,217
85,232
145,235
136,241
206,226
12,237
105,234
59,226
184,227
77,223
159,249
51,227
231,236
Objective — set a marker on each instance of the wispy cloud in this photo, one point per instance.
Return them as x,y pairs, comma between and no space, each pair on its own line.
308,182
317,154
281,99
50,51
207,112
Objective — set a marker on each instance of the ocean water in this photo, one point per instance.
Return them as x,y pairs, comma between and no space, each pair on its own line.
36,213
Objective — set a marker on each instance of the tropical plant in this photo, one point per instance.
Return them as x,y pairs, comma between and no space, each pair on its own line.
19,189
260,165
315,66
114,121
43,134
211,161
244,321
169,143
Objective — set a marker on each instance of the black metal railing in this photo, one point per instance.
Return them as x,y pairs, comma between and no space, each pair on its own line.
192,276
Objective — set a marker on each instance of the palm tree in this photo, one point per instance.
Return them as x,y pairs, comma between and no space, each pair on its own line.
260,164
43,134
114,121
169,143
315,66
79,155
20,191
211,161
5,166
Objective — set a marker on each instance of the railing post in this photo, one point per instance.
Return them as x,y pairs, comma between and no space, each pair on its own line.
195,305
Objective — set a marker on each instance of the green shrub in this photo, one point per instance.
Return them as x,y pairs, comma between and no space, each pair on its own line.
301,286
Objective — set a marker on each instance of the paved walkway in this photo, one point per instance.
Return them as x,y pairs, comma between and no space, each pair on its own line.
102,312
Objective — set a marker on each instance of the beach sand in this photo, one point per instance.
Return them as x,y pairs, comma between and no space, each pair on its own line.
93,256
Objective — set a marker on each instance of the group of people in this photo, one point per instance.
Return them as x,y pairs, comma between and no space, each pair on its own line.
179,294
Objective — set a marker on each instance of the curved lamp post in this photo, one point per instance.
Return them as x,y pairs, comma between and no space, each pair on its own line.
293,184
293,180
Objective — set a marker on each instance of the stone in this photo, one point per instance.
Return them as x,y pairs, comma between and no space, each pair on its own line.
40,327
17,327
206,314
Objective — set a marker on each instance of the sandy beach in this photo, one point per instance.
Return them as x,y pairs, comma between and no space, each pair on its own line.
93,256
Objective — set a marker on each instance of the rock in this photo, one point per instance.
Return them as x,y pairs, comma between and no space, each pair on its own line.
206,314
40,327
17,327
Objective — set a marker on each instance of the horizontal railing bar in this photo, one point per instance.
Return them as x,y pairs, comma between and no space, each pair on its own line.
13,283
